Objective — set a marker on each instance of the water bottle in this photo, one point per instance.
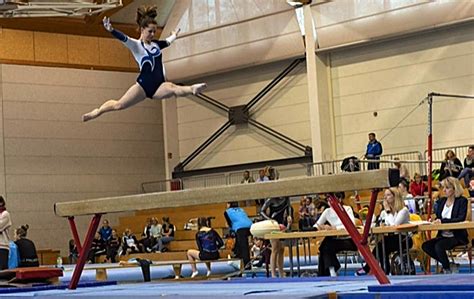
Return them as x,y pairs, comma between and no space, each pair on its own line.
59,262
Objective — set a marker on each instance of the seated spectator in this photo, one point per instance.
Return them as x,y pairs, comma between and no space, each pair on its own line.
328,264
450,209
155,232
167,235
417,186
468,171
451,166
471,188
262,177
261,252
146,243
113,246
26,248
97,248
129,243
319,207
404,173
305,215
409,200
394,213
105,231
73,252
246,179
208,242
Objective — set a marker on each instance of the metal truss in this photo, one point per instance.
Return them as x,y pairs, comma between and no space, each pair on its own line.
26,9
241,115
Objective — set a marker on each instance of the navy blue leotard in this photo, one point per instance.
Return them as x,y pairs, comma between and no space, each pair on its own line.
150,60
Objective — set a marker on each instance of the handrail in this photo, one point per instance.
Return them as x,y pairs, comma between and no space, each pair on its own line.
414,160
458,150
174,184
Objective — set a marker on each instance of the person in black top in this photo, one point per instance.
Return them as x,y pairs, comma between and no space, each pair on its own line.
73,252
280,210
146,242
167,234
26,248
208,242
97,248
450,209
451,166
113,246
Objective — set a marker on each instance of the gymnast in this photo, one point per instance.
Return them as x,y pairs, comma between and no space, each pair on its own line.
151,83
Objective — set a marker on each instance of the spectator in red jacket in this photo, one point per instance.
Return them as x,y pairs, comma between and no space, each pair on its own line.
418,187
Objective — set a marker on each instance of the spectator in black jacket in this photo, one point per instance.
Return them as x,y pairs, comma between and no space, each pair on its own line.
26,248
451,166
97,248
113,246
450,209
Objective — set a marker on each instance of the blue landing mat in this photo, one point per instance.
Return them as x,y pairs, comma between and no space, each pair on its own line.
47,287
438,283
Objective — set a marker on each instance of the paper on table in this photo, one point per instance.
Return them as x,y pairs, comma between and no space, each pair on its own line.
420,222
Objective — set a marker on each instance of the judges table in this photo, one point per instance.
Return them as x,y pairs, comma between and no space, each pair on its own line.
378,231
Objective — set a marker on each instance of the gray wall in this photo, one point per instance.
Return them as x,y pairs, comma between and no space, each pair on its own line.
48,155
390,78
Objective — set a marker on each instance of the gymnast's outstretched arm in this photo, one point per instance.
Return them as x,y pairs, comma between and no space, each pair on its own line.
131,43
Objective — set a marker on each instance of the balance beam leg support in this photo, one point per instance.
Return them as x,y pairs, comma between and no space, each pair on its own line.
357,238
177,270
85,251
101,274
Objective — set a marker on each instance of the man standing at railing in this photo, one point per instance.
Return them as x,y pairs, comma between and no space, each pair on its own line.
374,151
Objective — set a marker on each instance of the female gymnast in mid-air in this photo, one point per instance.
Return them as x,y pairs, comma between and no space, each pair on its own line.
151,83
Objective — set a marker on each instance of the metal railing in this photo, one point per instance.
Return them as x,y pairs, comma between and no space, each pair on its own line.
161,186
386,161
415,162
459,150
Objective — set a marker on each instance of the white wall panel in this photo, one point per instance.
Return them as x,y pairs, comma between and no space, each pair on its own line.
50,155
391,78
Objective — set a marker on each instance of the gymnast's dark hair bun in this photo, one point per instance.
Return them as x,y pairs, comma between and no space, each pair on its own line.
146,15
22,230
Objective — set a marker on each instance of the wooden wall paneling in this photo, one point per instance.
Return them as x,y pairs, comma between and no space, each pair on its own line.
83,50
50,47
113,53
17,45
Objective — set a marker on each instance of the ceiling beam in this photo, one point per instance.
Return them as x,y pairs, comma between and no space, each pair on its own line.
97,18
75,26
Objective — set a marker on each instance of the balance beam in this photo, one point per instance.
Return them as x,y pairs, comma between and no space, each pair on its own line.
382,178
374,179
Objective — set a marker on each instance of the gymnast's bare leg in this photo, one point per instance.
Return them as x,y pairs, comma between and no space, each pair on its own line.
169,90
133,96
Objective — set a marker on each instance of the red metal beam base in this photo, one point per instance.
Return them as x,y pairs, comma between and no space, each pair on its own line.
357,238
368,218
75,235
84,251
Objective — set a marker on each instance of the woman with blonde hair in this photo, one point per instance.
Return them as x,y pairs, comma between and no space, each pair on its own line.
394,213
450,209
